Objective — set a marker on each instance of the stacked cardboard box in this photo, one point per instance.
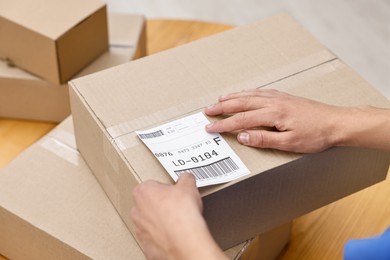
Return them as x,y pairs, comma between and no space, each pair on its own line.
50,203
51,206
52,39
25,96
109,106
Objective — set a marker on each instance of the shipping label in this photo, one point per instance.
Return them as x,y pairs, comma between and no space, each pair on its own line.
184,145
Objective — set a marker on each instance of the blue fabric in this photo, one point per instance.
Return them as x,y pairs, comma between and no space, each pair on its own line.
377,248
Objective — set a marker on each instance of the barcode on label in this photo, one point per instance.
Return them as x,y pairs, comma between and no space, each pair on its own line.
216,169
151,135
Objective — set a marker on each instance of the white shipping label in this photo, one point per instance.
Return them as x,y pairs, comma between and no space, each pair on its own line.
184,145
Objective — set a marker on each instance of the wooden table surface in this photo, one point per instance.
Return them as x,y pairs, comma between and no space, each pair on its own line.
320,234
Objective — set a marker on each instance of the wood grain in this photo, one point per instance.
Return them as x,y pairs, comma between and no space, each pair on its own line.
318,235
322,234
17,135
165,34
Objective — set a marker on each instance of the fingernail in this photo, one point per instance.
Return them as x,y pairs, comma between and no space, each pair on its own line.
210,107
223,97
209,125
243,138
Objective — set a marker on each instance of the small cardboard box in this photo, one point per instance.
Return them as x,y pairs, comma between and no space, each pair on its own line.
109,106
25,96
53,39
51,207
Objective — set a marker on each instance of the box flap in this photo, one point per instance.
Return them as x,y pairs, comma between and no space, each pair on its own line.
61,15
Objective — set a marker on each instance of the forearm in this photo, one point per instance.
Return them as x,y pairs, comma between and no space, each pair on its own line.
364,127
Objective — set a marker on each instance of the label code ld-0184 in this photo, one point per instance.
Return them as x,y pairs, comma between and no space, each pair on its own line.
218,168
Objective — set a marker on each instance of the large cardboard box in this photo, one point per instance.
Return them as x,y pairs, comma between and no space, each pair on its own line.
53,39
52,207
25,96
275,53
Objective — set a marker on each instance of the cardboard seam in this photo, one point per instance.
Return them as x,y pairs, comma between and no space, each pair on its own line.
297,73
124,46
113,133
113,138
101,126
121,146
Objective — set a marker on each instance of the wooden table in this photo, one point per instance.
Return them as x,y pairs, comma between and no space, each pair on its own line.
318,235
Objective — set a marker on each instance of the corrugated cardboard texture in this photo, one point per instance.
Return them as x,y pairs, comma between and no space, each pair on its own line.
51,207
274,53
25,96
52,39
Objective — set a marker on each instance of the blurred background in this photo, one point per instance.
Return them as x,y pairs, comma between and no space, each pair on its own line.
358,31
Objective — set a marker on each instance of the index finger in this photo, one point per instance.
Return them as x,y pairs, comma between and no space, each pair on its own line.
235,105
242,121
187,180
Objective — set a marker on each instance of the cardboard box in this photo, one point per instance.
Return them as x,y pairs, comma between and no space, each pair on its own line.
51,207
269,245
273,53
53,39
25,96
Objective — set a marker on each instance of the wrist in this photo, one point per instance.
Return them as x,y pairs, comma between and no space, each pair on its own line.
342,125
363,126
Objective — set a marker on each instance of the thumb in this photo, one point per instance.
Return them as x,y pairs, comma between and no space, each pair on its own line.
260,138
187,180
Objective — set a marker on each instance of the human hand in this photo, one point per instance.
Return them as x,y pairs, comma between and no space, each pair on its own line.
169,222
297,124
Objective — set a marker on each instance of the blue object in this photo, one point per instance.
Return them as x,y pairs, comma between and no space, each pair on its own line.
376,248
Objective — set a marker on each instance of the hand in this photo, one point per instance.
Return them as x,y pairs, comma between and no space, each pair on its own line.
273,119
169,222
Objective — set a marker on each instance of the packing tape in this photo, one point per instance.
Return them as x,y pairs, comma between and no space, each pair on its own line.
306,76
61,149
243,249
120,131
112,191
127,141
124,46
110,153
199,104
66,137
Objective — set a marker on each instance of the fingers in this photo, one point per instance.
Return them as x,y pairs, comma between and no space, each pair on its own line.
260,138
251,92
240,104
269,139
140,190
242,101
243,120
187,180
